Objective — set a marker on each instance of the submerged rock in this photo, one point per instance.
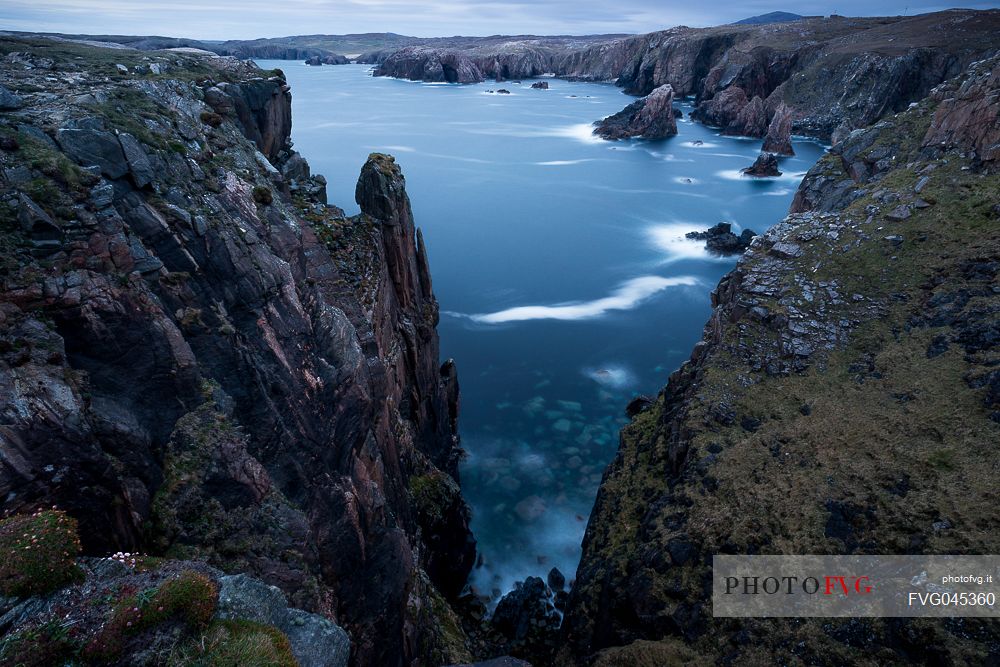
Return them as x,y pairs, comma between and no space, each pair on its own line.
651,117
765,165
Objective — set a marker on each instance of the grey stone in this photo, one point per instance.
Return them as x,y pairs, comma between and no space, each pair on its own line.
786,250
243,597
94,147
9,101
138,162
900,213
200,225
921,184
317,641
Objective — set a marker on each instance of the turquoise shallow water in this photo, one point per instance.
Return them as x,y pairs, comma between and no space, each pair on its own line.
565,281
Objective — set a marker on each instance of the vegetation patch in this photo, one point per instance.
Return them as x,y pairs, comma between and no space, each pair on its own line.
235,644
190,599
38,551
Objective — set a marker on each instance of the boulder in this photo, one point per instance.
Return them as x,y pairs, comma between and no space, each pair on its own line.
9,101
94,147
651,117
540,85
316,641
779,133
765,165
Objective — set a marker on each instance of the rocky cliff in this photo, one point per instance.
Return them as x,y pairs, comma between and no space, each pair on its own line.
845,398
201,359
833,74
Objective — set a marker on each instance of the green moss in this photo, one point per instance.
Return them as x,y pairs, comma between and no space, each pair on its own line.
38,551
432,495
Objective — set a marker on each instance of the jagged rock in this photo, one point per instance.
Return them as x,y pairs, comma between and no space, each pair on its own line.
527,620
765,165
967,114
652,118
556,579
540,85
9,101
779,132
720,240
37,224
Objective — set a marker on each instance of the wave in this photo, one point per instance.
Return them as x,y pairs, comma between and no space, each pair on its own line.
626,297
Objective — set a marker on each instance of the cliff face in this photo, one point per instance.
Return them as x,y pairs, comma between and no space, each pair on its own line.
835,73
202,359
844,399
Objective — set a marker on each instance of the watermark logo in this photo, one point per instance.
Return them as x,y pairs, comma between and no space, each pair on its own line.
849,586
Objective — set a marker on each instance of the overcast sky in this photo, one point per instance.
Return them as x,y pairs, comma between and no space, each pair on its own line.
247,19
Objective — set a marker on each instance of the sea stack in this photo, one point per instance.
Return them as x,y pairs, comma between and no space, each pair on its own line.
779,132
651,117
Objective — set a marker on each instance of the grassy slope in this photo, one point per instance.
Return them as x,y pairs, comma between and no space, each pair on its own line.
894,438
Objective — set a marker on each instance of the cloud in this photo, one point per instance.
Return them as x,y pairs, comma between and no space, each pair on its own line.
626,297
247,19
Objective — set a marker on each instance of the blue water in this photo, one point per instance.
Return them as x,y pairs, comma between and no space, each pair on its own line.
565,282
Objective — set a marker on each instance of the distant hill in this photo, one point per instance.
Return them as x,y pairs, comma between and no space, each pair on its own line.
770,17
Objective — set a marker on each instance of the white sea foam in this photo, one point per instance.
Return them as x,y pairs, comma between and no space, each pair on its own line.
615,377
671,239
626,297
562,163
738,175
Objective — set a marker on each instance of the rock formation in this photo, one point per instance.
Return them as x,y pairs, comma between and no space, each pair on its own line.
651,117
202,359
779,133
836,310
720,240
765,165
426,64
540,85
331,59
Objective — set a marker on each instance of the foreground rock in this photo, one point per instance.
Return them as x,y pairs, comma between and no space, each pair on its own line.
212,362
651,118
833,318
719,240
766,165
779,133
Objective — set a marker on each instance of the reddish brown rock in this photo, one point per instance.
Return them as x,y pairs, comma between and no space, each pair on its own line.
779,132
